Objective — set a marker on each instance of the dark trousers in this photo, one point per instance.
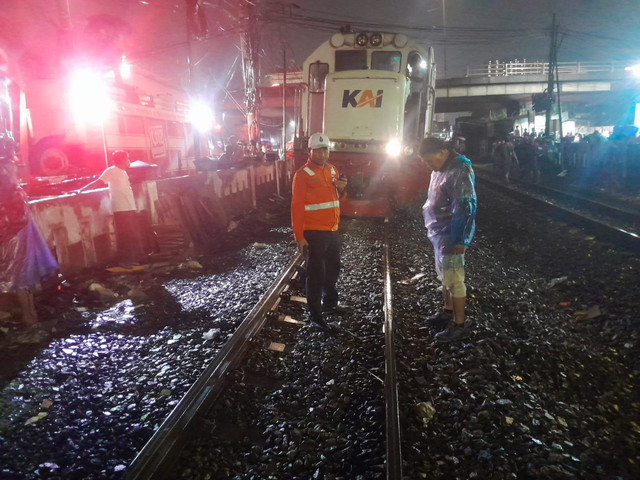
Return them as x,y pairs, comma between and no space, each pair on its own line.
128,236
323,269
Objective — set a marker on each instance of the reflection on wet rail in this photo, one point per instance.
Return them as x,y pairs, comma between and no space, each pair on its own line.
161,450
394,454
610,223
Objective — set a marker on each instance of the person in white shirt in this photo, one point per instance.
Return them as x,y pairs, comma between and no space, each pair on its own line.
123,205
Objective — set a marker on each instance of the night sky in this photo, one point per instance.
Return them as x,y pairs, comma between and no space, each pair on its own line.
463,32
478,31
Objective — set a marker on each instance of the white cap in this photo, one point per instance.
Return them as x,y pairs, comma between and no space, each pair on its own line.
319,140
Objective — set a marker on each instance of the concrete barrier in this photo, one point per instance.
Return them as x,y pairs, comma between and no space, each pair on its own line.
79,228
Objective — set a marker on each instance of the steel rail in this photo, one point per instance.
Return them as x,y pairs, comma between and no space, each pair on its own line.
613,233
155,458
394,453
616,213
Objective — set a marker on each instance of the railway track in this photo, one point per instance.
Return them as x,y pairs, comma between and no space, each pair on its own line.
283,304
611,223
280,306
160,451
301,404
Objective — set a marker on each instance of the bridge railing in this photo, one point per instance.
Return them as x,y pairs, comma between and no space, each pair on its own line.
524,67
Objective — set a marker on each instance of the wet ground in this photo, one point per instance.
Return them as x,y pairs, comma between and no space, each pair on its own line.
83,393
544,388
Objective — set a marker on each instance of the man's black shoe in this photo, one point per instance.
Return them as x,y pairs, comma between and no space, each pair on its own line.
453,333
322,324
339,309
326,327
440,320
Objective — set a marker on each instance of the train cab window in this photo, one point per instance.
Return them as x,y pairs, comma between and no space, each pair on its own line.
175,129
131,124
351,60
387,61
317,74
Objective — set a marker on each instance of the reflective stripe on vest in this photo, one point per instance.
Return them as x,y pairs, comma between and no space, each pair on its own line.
321,206
309,171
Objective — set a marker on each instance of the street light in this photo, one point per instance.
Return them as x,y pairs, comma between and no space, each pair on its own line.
90,101
201,115
634,69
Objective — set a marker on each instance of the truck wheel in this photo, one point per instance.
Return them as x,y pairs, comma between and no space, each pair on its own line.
52,161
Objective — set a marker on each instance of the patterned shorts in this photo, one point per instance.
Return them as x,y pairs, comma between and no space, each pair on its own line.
450,270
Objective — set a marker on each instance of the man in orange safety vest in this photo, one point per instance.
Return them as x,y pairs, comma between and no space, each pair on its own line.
315,215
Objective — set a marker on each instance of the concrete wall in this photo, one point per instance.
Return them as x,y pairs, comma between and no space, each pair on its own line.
79,228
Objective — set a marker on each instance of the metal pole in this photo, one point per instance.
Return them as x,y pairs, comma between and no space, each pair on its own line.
558,97
104,146
550,82
284,102
194,131
444,25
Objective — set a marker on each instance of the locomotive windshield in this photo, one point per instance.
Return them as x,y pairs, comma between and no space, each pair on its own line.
351,60
388,61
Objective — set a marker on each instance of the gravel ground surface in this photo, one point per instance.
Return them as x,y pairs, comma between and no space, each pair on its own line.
317,409
94,385
545,388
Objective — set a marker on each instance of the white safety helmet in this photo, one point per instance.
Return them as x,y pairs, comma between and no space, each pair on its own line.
319,140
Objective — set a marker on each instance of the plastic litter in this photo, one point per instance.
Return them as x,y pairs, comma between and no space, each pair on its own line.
425,412
211,334
104,292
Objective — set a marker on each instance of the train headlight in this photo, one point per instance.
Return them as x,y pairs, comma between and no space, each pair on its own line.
375,40
200,115
89,96
400,40
337,40
362,39
393,148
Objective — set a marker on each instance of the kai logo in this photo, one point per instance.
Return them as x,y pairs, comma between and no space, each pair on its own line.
361,98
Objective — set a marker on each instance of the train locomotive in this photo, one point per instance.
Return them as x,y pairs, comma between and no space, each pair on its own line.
373,94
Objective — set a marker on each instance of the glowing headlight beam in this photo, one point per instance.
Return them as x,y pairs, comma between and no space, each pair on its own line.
393,148
634,69
89,97
125,68
200,115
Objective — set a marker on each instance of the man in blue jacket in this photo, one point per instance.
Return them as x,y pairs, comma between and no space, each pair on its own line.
449,215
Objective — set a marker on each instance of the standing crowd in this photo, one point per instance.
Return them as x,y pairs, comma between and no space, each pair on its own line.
607,164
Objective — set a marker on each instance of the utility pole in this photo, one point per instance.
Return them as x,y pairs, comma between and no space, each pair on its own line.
444,26
550,78
249,42
284,101
194,130
558,95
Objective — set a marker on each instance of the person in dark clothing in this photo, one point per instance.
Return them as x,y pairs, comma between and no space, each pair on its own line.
527,153
505,158
449,216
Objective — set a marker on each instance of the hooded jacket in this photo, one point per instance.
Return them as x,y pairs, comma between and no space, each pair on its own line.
450,211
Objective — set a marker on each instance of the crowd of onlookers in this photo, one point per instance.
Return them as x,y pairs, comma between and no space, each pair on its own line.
610,164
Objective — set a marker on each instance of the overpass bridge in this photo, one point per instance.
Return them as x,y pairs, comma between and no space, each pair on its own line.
595,86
